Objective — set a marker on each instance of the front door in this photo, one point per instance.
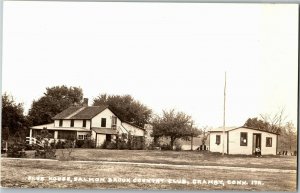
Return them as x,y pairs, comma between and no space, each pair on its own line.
256,142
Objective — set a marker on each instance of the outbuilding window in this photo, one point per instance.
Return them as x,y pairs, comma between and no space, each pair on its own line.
269,142
218,139
244,139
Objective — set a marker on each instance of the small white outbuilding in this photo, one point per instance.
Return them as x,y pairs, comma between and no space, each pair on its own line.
243,140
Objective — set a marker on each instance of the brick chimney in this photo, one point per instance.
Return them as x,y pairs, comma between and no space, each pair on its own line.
85,102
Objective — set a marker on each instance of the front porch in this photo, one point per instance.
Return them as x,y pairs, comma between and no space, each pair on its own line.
55,134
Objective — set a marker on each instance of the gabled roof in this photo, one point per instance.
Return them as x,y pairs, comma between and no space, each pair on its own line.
67,112
105,130
220,129
89,112
80,112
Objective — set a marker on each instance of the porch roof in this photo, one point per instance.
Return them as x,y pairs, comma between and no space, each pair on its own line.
50,126
105,130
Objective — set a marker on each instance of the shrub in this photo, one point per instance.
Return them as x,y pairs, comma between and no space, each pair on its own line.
67,150
48,150
178,146
88,143
59,144
79,143
111,145
16,150
166,147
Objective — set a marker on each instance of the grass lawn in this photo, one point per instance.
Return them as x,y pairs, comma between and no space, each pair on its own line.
15,172
184,157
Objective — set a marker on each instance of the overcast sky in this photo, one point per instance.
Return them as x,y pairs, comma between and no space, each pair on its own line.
166,55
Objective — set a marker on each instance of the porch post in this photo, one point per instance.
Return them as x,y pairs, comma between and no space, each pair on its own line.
30,136
55,135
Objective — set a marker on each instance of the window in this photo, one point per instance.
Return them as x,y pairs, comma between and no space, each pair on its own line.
218,139
114,122
60,122
82,137
103,122
83,123
269,142
244,139
72,123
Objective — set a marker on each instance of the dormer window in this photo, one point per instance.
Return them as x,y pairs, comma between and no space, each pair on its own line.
72,123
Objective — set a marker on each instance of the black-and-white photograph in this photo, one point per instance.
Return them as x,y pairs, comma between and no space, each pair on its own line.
149,95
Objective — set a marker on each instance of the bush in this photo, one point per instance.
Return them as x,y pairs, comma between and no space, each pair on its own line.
88,143
67,150
111,145
79,143
60,144
166,147
48,150
178,147
16,150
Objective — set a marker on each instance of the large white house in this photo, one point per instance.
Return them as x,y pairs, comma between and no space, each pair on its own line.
100,122
243,140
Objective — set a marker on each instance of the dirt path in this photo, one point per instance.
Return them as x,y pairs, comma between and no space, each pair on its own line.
190,167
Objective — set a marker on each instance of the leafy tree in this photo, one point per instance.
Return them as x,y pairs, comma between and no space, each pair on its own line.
174,125
288,138
13,119
54,100
126,108
268,122
262,125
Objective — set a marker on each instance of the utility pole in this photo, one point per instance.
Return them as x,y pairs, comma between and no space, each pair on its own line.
223,138
192,137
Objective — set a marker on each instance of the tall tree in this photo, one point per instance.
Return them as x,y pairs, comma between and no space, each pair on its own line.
126,107
268,122
13,119
174,125
54,100
288,137
262,125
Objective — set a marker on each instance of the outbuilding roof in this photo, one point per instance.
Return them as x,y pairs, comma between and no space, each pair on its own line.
79,112
220,129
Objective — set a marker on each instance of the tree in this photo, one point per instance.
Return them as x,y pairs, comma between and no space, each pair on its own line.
288,138
55,100
13,119
268,122
126,108
262,125
174,125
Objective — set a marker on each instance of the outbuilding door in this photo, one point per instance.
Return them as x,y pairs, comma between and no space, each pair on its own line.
100,139
256,142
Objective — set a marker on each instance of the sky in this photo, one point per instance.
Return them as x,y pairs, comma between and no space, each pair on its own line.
166,55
